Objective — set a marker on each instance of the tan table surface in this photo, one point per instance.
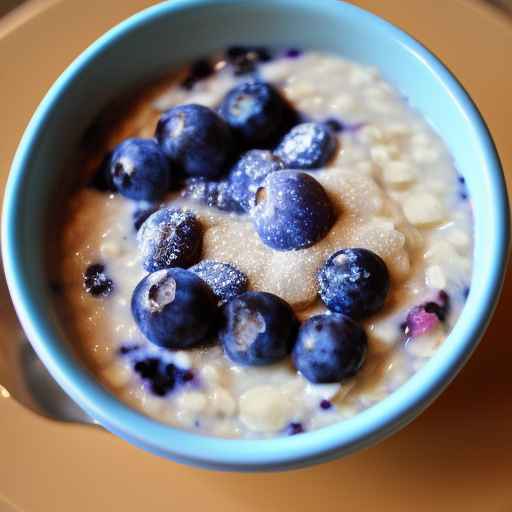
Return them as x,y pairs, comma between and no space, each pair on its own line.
456,457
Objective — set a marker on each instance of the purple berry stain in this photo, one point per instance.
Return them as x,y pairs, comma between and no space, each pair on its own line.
463,192
293,53
426,317
420,321
335,125
159,376
294,428
128,348
325,405
339,126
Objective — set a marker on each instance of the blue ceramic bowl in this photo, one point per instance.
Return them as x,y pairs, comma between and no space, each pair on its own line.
171,34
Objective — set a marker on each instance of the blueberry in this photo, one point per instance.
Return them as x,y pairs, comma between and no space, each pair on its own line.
216,194
225,280
140,170
199,70
173,308
244,59
307,146
256,112
170,237
196,139
354,282
329,348
292,211
96,281
258,328
102,179
248,174
141,213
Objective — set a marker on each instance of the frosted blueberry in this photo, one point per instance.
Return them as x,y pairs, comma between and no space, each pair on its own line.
354,282
196,139
140,170
216,194
225,280
170,237
248,174
173,308
258,328
329,348
292,211
307,146
256,113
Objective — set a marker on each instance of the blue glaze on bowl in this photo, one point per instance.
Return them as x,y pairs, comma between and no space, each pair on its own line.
121,59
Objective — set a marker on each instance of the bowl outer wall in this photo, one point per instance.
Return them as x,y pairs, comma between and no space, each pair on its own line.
119,58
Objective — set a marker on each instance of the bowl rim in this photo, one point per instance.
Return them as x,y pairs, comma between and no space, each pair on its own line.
375,423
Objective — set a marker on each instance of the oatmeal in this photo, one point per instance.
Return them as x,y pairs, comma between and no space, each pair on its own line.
325,229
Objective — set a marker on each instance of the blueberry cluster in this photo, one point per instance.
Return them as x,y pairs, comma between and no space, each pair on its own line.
227,157
307,146
248,156
180,309
177,308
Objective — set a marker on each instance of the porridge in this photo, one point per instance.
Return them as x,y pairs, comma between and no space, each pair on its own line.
263,244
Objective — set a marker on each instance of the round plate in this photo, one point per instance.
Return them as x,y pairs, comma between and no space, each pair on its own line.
456,457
